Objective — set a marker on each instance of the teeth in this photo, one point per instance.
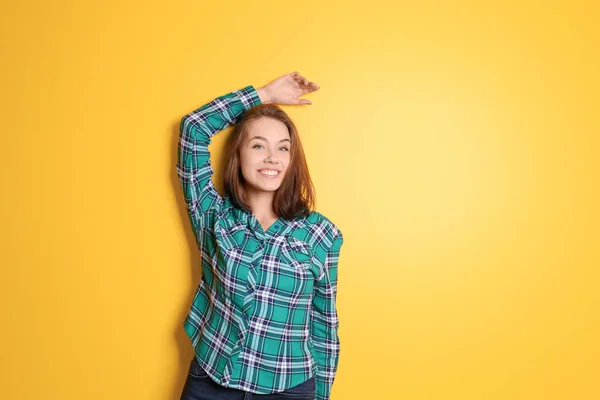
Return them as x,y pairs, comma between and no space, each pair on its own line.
266,172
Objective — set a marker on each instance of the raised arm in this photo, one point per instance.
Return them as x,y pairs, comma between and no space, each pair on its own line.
324,321
194,167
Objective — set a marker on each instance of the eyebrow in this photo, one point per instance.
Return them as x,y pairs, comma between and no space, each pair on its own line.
265,139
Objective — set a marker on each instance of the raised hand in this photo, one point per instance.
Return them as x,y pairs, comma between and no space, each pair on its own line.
287,89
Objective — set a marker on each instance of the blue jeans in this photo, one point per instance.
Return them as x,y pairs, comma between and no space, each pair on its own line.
200,386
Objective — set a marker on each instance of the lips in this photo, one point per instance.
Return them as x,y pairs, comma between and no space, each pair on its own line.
274,173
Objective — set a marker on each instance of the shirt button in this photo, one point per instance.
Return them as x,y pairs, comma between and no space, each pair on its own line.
276,226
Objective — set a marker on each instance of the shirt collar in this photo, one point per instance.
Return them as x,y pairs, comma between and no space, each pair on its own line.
281,226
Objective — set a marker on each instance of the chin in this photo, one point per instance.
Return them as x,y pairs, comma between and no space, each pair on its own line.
270,188
267,188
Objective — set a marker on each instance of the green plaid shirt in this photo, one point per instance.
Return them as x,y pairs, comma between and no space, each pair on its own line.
264,316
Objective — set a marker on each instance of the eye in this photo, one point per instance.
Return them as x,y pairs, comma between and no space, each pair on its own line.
283,147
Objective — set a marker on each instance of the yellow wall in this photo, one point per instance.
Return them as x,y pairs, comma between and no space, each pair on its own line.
455,144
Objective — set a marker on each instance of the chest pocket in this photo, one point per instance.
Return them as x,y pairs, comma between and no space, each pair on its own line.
230,237
296,252
295,267
231,267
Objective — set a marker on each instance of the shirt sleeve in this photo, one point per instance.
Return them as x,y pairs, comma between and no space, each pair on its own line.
324,322
194,167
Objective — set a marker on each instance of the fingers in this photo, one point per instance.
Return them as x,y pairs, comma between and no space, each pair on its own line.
299,78
303,101
312,86
306,86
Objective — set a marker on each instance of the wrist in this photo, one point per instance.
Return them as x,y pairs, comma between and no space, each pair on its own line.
264,95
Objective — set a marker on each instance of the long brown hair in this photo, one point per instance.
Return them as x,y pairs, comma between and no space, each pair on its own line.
295,196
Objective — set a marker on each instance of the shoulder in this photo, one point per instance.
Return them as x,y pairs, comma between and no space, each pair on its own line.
326,240
326,225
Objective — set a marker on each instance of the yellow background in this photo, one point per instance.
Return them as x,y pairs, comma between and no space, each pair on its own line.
454,143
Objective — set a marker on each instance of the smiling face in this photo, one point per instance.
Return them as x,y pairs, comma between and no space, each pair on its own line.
265,154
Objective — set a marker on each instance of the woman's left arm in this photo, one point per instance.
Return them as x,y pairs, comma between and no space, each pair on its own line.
325,323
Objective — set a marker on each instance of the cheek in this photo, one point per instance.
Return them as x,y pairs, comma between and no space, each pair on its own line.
286,161
247,163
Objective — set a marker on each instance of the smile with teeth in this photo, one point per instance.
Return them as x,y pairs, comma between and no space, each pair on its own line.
268,172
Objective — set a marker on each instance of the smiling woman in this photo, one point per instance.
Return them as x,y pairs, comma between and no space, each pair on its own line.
264,317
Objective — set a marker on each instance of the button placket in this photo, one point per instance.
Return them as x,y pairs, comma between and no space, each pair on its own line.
252,280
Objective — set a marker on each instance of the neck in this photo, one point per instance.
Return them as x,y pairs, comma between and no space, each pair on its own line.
261,203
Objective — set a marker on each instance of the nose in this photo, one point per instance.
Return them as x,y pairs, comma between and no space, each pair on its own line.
272,157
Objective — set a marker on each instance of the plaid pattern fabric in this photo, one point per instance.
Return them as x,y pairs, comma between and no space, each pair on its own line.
264,317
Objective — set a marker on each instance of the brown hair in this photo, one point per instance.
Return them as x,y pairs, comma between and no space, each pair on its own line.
295,196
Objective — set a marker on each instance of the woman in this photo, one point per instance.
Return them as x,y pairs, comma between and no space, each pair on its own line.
263,322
